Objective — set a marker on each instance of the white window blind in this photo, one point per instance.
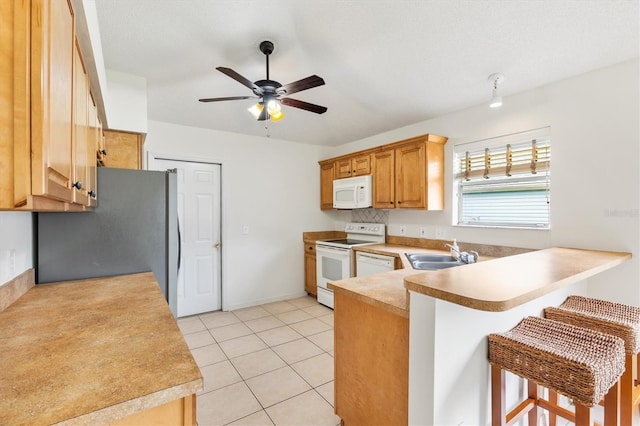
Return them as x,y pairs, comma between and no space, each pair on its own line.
505,181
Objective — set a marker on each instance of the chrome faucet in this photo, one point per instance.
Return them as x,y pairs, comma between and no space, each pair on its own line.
468,258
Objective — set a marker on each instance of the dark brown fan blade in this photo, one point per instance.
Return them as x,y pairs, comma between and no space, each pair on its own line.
240,79
303,105
230,98
300,85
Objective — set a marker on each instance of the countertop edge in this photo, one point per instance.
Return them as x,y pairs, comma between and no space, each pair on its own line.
133,406
377,302
507,304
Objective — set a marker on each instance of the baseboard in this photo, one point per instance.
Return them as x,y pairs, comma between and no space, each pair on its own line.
248,304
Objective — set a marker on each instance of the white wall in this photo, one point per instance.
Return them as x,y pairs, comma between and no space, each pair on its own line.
595,184
16,244
126,103
268,184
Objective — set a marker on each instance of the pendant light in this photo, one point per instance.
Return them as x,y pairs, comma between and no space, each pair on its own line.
495,79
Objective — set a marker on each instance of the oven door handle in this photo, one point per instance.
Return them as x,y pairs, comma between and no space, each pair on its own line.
336,250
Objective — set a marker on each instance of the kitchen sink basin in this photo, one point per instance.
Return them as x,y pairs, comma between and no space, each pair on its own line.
417,264
421,257
428,262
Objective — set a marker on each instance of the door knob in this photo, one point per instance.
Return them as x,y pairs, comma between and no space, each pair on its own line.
218,244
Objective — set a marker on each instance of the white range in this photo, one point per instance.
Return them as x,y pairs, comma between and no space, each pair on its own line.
335,259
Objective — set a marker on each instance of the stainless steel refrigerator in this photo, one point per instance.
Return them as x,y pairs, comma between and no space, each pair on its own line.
133,229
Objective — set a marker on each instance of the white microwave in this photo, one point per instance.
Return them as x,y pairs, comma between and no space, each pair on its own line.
352,193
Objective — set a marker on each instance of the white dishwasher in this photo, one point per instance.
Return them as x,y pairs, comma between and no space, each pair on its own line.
370,263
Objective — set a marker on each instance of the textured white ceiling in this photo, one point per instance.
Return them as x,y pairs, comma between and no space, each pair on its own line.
386,63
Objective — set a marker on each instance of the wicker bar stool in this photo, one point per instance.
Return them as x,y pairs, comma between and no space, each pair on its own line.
616,319
582,364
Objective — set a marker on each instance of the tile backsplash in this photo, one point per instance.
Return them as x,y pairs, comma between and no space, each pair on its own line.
370,216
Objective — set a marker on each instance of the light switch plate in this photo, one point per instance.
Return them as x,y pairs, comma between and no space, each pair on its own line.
403,229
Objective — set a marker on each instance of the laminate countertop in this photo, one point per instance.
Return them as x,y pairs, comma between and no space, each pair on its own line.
492,284
385,290
91,352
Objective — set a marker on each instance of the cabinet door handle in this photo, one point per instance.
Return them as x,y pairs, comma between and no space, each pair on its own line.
399,202
77,185
92,193
103,151
390,202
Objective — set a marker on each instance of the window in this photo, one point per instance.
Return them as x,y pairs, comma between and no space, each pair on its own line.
505,181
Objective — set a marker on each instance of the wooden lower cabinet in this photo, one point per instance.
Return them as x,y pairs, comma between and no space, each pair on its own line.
371,363
175,413
310,281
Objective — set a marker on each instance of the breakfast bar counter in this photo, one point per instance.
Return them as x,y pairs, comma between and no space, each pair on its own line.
492,284
505,283
95,351
441,366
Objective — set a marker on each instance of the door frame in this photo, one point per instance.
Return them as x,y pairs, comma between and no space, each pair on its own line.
152,156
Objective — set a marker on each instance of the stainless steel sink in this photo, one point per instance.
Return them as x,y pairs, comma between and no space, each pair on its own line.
421,257
427,262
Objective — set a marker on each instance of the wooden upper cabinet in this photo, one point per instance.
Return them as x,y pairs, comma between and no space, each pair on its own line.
384,179
47,151
81,133
420,174
361,165
343,168
123,149
326,184
411,176
405,174
93,145
52,53
353,166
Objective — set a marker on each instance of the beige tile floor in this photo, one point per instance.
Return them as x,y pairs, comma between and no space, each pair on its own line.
269,365
265,365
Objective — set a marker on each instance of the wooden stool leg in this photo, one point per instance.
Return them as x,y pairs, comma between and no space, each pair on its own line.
626,392
611,406
534,413
498,399
553,399
583,415
636,388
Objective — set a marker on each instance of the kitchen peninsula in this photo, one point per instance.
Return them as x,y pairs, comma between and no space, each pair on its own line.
450,313
95,351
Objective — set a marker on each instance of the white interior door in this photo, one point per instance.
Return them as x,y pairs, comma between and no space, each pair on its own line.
199,276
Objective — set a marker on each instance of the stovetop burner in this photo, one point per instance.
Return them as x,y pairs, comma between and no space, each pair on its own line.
348,242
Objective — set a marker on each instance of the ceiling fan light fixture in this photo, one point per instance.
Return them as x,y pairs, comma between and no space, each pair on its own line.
256,110
273,107
496,99
277,116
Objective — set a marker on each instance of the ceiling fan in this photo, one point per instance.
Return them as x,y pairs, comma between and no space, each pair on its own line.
271,93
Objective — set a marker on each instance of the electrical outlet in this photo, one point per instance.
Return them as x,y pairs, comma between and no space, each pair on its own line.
403,230
423,232
440,233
